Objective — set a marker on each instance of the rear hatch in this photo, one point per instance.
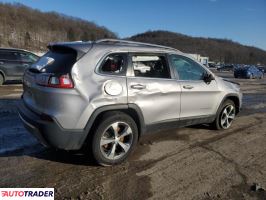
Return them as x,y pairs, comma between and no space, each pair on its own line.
49,79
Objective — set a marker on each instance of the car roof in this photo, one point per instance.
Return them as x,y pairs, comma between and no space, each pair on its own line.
16,49
114,44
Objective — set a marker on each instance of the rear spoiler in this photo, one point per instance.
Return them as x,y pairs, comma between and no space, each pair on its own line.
79,47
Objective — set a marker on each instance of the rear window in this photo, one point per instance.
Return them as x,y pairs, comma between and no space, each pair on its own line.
28,57
56,61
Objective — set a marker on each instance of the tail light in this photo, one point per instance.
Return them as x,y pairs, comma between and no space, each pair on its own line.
47,80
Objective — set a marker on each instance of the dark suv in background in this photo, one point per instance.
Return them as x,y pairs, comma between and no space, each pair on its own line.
13,63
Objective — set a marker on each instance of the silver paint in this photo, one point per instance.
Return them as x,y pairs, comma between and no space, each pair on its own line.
158,99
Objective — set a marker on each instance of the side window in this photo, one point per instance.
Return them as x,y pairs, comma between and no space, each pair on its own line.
27,57
153,66
114,64
2,55
186,68
9,55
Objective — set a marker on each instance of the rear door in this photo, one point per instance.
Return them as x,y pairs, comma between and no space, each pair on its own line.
197,98
10,63
26,60
152,88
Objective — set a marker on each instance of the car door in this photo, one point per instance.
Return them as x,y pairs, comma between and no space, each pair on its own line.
26,60
12,64
198,98
152,88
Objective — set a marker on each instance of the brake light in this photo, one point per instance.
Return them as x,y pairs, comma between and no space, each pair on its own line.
63,81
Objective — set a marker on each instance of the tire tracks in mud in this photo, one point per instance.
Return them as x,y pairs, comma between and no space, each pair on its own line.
209,141
237,190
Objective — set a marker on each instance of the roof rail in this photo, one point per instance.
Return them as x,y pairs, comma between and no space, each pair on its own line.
132,42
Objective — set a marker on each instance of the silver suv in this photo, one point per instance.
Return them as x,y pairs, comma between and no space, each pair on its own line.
104,95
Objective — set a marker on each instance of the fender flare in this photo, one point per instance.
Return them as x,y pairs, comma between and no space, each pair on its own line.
127,108
228,97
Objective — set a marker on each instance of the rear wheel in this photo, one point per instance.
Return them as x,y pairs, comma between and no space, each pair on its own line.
2,80
114,138
225,115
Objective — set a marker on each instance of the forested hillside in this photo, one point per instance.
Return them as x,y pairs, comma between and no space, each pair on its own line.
23,27
219,50
31,29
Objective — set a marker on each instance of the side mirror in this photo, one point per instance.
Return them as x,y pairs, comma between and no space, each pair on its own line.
207,78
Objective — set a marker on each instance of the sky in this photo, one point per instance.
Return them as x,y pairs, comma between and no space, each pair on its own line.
243,21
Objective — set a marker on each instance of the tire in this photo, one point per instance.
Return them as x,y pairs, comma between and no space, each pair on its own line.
2,80
220,122
108,147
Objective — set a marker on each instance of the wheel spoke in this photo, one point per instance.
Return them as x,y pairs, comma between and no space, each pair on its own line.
227,123
112,152
124,146
126,132
105,141
231,110
115,128
225,111
223,121
232,116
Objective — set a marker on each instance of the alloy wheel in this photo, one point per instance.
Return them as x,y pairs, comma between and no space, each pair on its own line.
227,116
116,140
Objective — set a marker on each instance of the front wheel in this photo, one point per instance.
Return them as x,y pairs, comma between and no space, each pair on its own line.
114,138
225,115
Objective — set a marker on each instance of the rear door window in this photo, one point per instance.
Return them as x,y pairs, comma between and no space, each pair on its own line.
152,66
56,61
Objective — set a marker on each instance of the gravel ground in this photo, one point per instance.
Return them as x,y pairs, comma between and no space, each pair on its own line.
187,163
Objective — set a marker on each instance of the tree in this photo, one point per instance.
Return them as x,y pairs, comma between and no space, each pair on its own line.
27,39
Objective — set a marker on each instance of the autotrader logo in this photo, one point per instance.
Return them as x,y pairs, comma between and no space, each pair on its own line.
27,193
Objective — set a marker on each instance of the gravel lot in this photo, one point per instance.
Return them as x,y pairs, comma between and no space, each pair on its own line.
187,163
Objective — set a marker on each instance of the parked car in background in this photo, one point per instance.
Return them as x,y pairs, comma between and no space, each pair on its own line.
226,67
212,65
262,68
104,95
13,63
248,72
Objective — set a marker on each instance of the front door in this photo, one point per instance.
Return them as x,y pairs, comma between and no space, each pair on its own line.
198,98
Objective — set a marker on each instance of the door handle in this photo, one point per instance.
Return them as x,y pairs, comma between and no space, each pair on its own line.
138,86
188,87
1,63
25,65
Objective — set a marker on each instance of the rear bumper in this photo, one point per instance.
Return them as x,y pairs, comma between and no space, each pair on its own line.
50,133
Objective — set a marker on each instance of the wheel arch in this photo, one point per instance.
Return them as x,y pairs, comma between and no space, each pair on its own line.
234,98
3,74
130,109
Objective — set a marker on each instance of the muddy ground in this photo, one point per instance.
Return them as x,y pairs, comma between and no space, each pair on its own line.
187,163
